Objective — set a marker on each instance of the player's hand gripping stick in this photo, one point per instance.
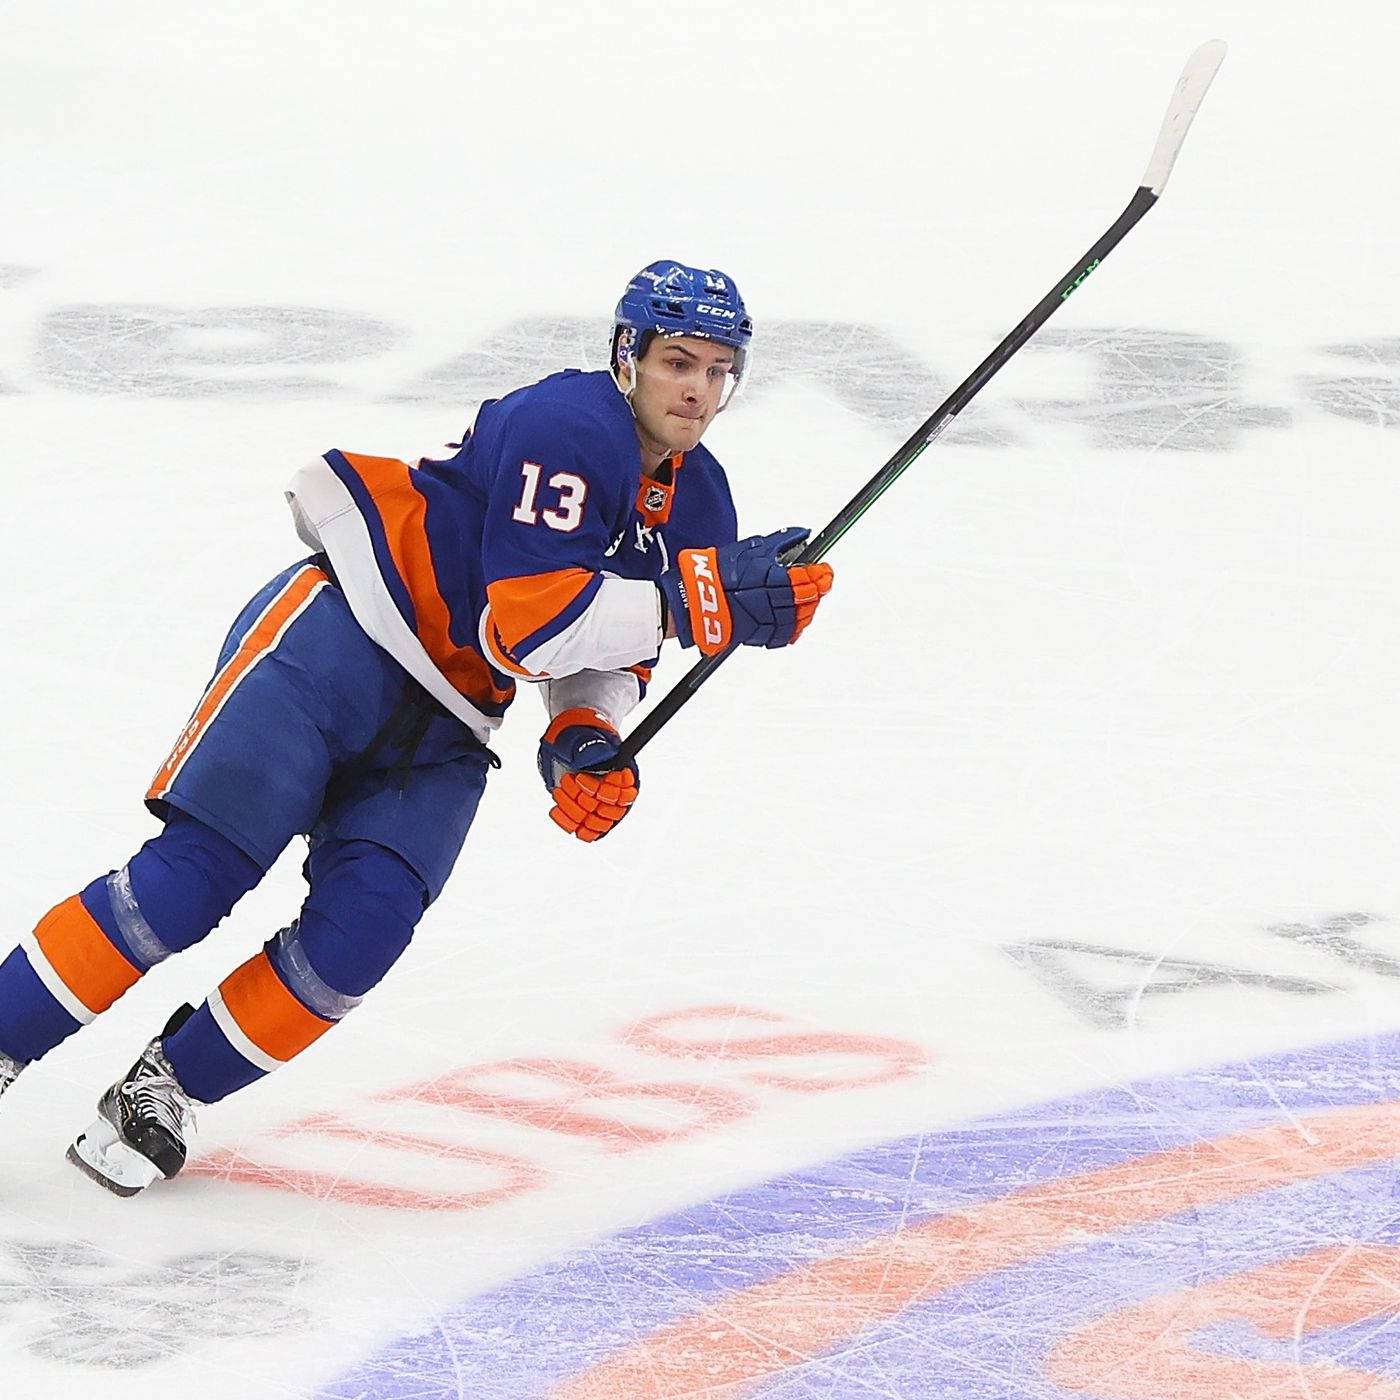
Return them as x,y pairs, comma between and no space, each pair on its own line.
586,804
742,594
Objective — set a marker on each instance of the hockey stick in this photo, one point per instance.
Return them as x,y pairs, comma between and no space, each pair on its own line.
1191,88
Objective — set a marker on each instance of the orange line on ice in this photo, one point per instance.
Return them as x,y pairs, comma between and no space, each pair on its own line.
725,1350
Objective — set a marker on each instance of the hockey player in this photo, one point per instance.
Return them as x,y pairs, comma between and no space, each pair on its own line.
578,523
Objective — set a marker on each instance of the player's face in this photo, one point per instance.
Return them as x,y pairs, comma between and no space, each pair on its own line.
681,382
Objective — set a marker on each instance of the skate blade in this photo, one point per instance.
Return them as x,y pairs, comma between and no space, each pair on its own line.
102,1155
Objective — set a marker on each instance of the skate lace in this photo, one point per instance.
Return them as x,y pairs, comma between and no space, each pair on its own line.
160,1099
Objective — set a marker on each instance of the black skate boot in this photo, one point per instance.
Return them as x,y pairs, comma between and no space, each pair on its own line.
142,1124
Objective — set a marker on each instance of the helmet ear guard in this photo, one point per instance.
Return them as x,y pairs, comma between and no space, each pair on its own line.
626,348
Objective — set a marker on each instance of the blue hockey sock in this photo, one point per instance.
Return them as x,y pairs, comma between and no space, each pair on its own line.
357,919
94,946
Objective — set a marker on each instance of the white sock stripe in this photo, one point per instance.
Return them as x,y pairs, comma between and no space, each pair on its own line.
247,669
53,983
223,1018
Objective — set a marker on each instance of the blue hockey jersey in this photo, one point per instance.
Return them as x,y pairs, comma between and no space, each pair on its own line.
531,552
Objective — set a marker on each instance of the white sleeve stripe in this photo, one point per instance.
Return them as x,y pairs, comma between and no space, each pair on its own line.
491,645
620,627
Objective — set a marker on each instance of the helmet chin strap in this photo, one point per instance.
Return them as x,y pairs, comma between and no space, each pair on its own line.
630,389
624,354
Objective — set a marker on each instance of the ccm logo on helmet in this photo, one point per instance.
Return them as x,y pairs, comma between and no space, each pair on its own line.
704,310
707,592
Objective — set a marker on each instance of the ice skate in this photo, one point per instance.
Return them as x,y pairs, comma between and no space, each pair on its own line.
143,1123
9,1071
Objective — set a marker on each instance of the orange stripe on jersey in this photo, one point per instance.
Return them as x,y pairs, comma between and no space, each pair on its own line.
642,673
261,638
267,1013
83,957
503,660
521,606
403,513
471,676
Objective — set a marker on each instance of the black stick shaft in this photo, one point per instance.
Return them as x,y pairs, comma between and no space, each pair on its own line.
973,385
819,544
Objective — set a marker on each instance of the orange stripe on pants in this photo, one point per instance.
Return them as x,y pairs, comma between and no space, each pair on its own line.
261,638
83,957
267,1013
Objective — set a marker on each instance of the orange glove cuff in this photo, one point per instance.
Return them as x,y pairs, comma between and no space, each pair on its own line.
711,624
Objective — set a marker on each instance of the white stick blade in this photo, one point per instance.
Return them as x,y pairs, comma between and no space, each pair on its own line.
1191,89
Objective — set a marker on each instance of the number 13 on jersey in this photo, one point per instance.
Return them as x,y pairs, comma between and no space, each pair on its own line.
567,515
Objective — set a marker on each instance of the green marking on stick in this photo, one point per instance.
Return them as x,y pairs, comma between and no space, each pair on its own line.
1079,281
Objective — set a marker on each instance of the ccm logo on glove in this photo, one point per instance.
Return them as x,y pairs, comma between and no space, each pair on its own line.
715,621
741,595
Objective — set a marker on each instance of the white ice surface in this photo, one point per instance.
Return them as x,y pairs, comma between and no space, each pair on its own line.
1126,695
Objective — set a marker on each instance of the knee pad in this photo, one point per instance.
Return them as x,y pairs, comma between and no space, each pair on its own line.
286,951
359,917
172,892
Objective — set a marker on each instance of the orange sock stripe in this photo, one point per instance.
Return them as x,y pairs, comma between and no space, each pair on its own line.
83,957
262,638
267,1013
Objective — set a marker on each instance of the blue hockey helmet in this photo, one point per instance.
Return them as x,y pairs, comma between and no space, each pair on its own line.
669,298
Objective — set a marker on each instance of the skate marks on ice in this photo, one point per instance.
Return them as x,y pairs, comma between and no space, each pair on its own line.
15,274
1227,1231
74,1304
1137,386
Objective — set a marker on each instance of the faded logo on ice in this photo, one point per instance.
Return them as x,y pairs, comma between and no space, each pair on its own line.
74,1304
1167,390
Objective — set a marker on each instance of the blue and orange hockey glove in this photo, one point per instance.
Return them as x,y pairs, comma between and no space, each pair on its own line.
742,595
587,805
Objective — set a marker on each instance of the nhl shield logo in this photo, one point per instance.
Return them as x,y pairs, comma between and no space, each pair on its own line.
655,498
